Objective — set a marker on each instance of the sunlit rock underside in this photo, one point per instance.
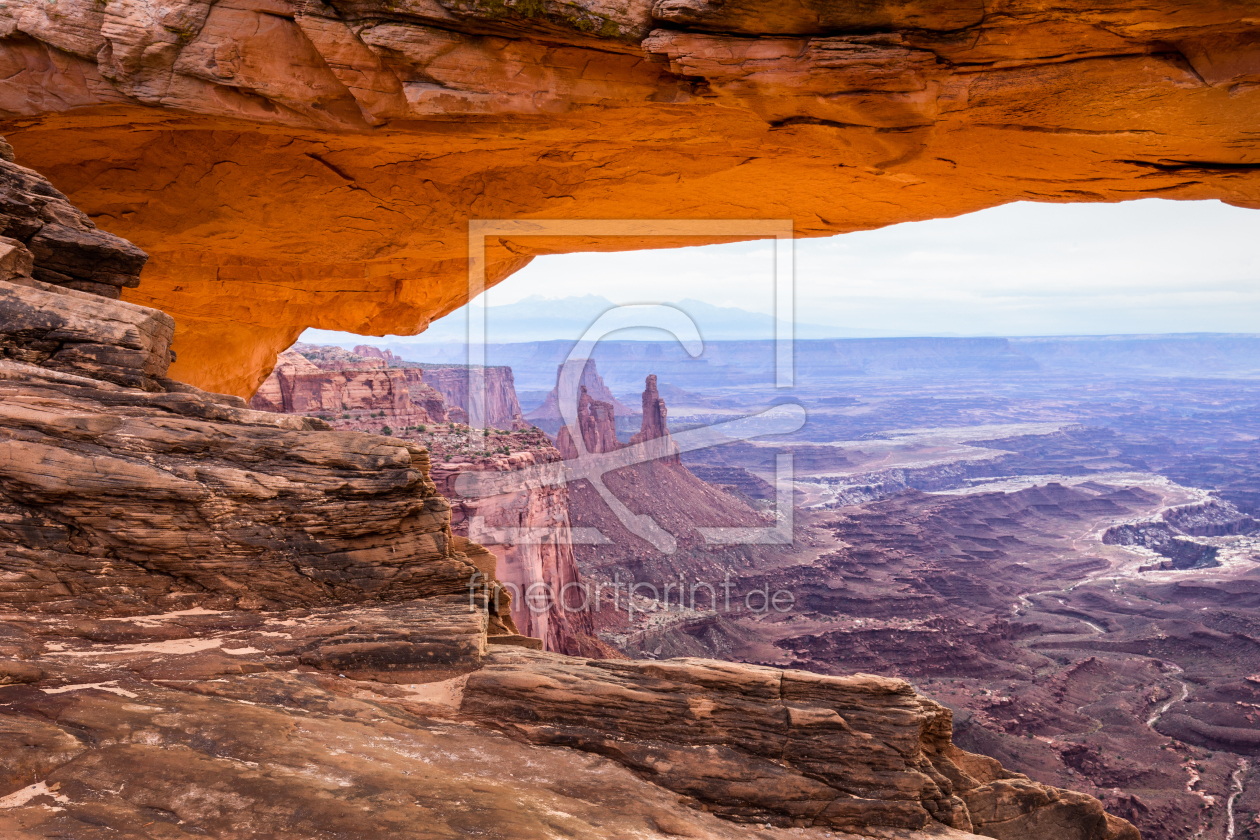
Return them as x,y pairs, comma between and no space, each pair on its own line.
293,164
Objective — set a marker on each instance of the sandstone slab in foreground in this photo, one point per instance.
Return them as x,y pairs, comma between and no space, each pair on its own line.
241,724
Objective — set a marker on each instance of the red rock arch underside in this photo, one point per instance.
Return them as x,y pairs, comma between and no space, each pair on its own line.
295,164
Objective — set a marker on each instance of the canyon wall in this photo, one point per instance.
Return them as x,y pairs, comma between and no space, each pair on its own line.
526,529
529,532
381,128
503,410
330,383
123,491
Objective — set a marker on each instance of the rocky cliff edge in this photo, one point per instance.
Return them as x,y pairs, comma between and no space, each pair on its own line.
222,622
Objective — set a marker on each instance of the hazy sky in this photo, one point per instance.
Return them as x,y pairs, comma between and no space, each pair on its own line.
1021,269
1141,266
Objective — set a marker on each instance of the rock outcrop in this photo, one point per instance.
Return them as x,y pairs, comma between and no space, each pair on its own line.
850,753
370,352
216,621
122,491
590,383
165,725
61,245
659,486
502,408
597,424
382,127
330,383
655,423
527,529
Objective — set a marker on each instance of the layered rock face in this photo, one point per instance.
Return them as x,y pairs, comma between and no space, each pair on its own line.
344,385
528,531
502,408
123,721
786,748
165,726
124,491
216,621
590,383
527,528
391,124
61,245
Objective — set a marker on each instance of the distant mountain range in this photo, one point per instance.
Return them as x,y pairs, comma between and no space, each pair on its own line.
750,363
542,319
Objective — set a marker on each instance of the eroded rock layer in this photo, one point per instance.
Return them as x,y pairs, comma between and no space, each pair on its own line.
123,490
525,528
380,128
222,622
502,409
165,725
312,380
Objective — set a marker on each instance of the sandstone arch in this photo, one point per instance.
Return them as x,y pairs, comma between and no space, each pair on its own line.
295,163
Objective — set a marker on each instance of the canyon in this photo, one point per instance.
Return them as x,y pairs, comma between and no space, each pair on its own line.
1056,542
526,530
328,383
1062,552
501,408
1023,571
374,381
156,638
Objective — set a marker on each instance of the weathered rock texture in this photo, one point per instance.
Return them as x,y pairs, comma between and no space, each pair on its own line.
528,531
306,381
65,245
381,127
590,382
116,498
502,408
79,332
767,746
122,490
166,726
216,621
